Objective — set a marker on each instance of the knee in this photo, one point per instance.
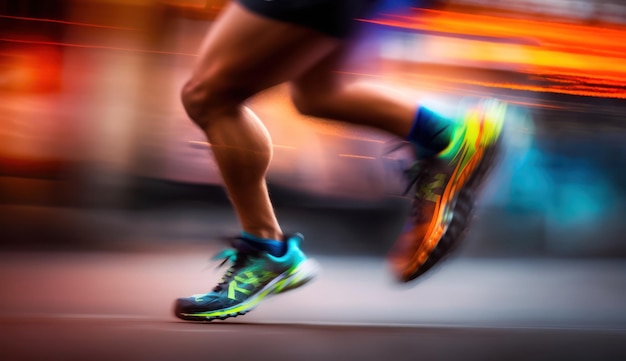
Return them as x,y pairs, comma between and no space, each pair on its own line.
206,99
193,97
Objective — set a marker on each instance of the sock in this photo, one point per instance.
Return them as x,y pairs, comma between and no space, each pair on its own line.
431,133
274,247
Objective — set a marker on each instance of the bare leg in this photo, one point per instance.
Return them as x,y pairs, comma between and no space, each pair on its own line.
438,221
243,55
322,92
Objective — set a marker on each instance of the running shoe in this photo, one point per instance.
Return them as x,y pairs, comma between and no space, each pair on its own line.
445,190
252,276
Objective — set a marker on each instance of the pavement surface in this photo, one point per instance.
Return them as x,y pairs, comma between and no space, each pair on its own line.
117,306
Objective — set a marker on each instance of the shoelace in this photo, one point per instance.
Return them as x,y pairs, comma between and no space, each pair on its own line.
416,171
419,170
238,261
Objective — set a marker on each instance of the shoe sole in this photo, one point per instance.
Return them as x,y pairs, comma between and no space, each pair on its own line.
284,282
462,207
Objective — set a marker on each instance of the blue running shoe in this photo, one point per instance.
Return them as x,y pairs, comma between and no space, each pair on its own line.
253,275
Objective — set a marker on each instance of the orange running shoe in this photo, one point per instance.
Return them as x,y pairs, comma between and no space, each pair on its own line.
445,190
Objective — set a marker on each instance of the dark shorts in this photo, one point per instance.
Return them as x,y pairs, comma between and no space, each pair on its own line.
331,17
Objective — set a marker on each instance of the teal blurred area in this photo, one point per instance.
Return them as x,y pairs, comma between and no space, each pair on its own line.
97,153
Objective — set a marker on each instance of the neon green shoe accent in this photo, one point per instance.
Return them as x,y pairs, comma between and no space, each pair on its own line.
294,277
427,190
247,305
252,276
455,143
477,127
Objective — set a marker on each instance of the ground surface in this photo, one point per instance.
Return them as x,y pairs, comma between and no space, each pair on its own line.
117,306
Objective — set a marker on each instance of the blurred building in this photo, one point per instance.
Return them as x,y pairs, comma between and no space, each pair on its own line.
91,118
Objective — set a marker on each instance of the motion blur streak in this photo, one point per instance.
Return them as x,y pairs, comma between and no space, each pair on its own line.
529,46
67,22
90,46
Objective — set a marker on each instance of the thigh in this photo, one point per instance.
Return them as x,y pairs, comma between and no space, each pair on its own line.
324,77
251,52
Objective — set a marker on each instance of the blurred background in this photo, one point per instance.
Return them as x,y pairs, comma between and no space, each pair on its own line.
111,204
96,150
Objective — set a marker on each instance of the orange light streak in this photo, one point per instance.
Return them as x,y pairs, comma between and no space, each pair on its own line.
87,46
591,59
356,156
68,23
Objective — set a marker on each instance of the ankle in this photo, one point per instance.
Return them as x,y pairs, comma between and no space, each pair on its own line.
275,247
263,234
